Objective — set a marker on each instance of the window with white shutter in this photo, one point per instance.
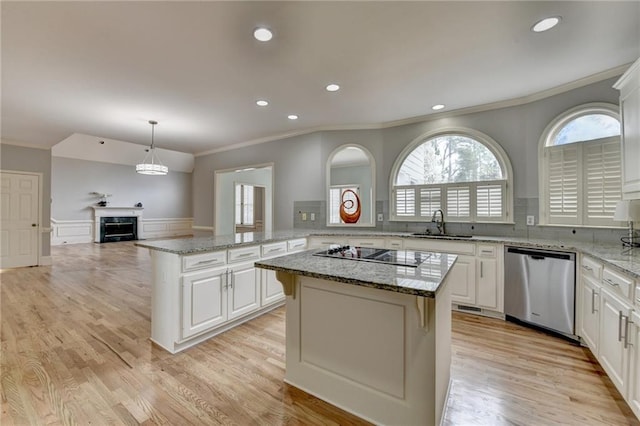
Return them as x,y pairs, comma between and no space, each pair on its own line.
464,173
581,171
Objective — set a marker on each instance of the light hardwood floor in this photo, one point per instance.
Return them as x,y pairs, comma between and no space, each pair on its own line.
59,323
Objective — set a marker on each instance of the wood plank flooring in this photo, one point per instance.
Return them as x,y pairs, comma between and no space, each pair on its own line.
76,350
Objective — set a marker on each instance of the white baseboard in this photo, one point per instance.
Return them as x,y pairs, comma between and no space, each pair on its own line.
82,231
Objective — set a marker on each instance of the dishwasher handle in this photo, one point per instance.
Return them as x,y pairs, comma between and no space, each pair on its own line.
541,254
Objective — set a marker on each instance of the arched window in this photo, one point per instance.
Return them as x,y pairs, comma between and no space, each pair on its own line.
580,167
462,172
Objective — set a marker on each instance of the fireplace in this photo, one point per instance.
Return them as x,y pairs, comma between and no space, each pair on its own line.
117,224
118,229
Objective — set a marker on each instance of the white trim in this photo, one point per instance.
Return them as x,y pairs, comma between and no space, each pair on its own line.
83,231
585,81
24,144
203,228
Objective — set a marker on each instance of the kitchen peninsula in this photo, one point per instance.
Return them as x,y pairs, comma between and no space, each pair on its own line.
371,338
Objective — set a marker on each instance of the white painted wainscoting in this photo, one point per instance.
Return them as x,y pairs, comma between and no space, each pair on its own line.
84,231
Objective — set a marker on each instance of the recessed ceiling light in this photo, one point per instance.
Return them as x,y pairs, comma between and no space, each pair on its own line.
262,34
437,107
292,117
546,24
332,87
262,102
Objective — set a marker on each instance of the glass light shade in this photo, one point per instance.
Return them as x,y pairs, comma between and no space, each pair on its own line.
151,165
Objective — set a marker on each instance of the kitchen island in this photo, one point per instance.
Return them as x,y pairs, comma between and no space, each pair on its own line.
371,338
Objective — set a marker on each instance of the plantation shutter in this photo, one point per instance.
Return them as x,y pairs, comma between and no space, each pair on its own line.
405,202
602,181
458,202
562,202
489,202
430,201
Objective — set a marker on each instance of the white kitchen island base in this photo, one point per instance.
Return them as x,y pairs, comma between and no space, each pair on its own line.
381,355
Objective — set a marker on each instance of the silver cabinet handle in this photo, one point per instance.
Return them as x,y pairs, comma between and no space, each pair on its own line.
481,269
588,268
245,254
274,249
620,326
593,302
231,275
626,332
610,282
224,279
365,243
204,262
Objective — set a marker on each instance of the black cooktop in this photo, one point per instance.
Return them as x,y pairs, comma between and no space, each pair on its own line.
379,255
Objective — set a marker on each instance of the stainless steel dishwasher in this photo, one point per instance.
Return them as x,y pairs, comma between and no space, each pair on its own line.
539,288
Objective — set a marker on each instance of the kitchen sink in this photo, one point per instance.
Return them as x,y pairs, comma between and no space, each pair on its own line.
426,234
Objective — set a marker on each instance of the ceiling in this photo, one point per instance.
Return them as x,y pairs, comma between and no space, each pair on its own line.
106,68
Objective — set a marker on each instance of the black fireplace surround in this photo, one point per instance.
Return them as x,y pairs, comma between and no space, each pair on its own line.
118,229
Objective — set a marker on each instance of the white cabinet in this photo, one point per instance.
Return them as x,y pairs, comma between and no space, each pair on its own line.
462,280
325,242
634,370
243,290
366,242
204,301
589,306
614,353
629,87
476,279
488,282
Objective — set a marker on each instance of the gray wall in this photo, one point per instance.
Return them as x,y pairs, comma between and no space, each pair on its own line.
17,158
299,162
73,180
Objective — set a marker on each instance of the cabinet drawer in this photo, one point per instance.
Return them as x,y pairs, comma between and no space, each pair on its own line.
617,283
299,244
205,260
366,242
395,244
445,246
591,268
244,253
486,251
274,249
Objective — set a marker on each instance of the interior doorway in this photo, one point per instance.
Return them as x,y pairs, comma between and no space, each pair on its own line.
249,207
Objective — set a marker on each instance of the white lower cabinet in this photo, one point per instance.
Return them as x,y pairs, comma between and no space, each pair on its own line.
489,288
589,306
634,370
204,301
462,280
614,353
243,290
272,291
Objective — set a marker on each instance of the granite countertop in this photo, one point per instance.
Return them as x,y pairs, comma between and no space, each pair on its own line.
624,259
424,280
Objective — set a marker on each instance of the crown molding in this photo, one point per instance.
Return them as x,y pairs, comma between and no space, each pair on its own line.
585,81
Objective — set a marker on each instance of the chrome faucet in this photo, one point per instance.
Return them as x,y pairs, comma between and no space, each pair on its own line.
439,223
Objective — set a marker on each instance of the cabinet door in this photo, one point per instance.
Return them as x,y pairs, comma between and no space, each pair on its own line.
462,279
589,306
204,302
272,290
634,371
243,290
630,105
487,288
613,355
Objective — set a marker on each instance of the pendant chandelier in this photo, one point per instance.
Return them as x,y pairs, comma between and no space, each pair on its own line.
151,165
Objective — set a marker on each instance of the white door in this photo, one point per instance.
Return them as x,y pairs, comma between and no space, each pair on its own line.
462,280
272,290
19,195
487,290
590,308
634,373
613,355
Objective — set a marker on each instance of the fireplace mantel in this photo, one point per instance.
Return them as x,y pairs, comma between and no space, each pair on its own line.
99,212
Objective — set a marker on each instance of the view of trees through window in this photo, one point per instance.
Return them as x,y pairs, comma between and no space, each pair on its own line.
449,159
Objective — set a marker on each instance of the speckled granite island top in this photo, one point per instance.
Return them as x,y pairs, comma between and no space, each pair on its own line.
423,280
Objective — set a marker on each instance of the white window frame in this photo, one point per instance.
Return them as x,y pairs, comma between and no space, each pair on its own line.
244,213
545,147
506,184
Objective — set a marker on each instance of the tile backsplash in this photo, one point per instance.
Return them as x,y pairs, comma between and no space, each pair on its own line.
523,207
